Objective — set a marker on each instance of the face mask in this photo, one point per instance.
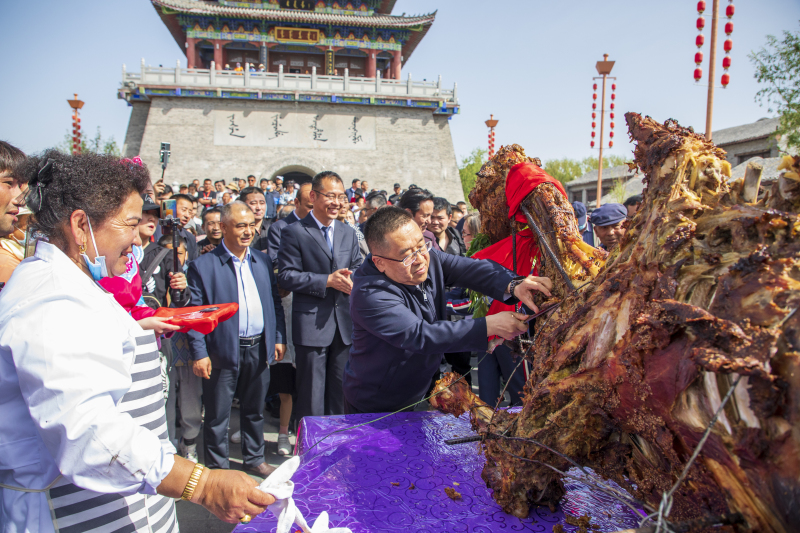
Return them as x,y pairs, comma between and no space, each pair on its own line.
185,267
581,228
98,268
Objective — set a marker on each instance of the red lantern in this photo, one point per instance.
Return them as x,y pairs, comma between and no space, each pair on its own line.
701,23
611,134
613,86
611,144
698,58
726,79
594,106
594,125
729,11
594,96
726,62
592,135
594,87
612,124
612,105
611,116
613,96
701,6
727,45
592,144
699,41
698,73
728,28
594,116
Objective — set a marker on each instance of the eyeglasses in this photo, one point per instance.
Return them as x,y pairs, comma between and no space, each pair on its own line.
412,257
333,197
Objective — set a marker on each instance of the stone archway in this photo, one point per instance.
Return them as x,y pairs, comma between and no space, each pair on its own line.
295,167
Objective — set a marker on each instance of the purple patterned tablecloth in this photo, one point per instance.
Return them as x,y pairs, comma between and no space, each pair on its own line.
390,475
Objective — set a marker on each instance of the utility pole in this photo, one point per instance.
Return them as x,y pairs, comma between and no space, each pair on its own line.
712,60
604,69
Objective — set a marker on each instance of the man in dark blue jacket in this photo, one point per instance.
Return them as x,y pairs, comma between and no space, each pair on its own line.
234,358
399,309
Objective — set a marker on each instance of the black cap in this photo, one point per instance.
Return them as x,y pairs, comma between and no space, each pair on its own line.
396,185
149,204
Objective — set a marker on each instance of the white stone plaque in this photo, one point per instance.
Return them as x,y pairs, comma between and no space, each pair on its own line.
294,130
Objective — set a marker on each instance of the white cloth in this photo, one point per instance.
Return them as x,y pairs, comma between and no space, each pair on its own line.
330,231
251,314
280,485
62,372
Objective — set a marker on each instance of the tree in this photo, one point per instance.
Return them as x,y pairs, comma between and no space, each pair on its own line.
778,66
566,169
97,145
468,169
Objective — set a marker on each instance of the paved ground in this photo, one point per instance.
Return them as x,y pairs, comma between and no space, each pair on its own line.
195,519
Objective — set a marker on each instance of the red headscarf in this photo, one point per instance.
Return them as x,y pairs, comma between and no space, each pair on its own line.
522,179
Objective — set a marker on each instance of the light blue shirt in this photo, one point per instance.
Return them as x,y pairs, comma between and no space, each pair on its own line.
251,314
330,231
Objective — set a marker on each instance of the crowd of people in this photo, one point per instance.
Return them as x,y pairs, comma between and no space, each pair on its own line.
350,300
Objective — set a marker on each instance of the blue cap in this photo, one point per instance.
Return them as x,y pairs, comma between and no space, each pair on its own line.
609,214
580,213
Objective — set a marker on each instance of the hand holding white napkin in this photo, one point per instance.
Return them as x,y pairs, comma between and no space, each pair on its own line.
280,485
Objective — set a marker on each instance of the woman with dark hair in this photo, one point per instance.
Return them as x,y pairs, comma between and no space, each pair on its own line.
83,431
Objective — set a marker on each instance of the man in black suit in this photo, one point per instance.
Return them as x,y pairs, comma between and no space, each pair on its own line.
233,359
257,202
316,258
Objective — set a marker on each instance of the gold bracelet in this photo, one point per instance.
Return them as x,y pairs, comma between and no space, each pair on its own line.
194,478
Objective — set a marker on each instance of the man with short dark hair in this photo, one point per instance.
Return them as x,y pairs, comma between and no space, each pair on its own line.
399,312
316,258
372,203
11,197
364,188
251,181
632,204
257,202
212,229
355,186
208,196
398,192
184,209
234,358
278,180
419,204
447,238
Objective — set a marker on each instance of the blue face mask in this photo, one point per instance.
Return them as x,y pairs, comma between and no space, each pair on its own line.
98,268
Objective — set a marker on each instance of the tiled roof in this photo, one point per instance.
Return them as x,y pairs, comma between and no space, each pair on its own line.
770,166
746,132
608,174
200,7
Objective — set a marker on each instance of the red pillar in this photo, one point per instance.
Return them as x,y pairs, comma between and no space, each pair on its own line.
218,54
371,55
395,68
191,51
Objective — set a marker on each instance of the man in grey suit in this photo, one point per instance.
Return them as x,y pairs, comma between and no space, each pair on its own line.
316,258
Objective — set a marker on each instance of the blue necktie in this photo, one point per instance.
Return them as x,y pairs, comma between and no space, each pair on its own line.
326,230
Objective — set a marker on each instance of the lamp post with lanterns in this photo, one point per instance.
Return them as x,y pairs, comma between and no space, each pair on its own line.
604,69
491,123
76,124
712,55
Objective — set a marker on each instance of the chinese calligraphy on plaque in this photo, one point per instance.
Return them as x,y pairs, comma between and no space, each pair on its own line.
233,127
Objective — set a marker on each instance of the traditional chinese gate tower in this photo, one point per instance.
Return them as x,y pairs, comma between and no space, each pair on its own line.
318,87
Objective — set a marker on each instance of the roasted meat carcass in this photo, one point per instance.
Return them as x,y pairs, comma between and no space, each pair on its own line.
627,374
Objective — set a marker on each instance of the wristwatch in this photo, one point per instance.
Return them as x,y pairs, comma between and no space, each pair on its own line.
514,282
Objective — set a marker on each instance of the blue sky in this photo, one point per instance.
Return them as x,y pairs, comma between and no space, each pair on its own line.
530,63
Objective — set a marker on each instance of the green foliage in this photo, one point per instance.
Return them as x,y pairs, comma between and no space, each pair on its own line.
778,67
97,145
479,304
468,169
619,192
567,169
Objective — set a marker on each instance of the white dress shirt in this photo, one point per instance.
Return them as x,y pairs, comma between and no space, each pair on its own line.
251,314
64,366
330,231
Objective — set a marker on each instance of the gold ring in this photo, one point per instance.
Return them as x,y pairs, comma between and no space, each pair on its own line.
246,519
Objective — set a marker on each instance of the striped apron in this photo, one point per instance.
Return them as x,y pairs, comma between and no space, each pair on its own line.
75,510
